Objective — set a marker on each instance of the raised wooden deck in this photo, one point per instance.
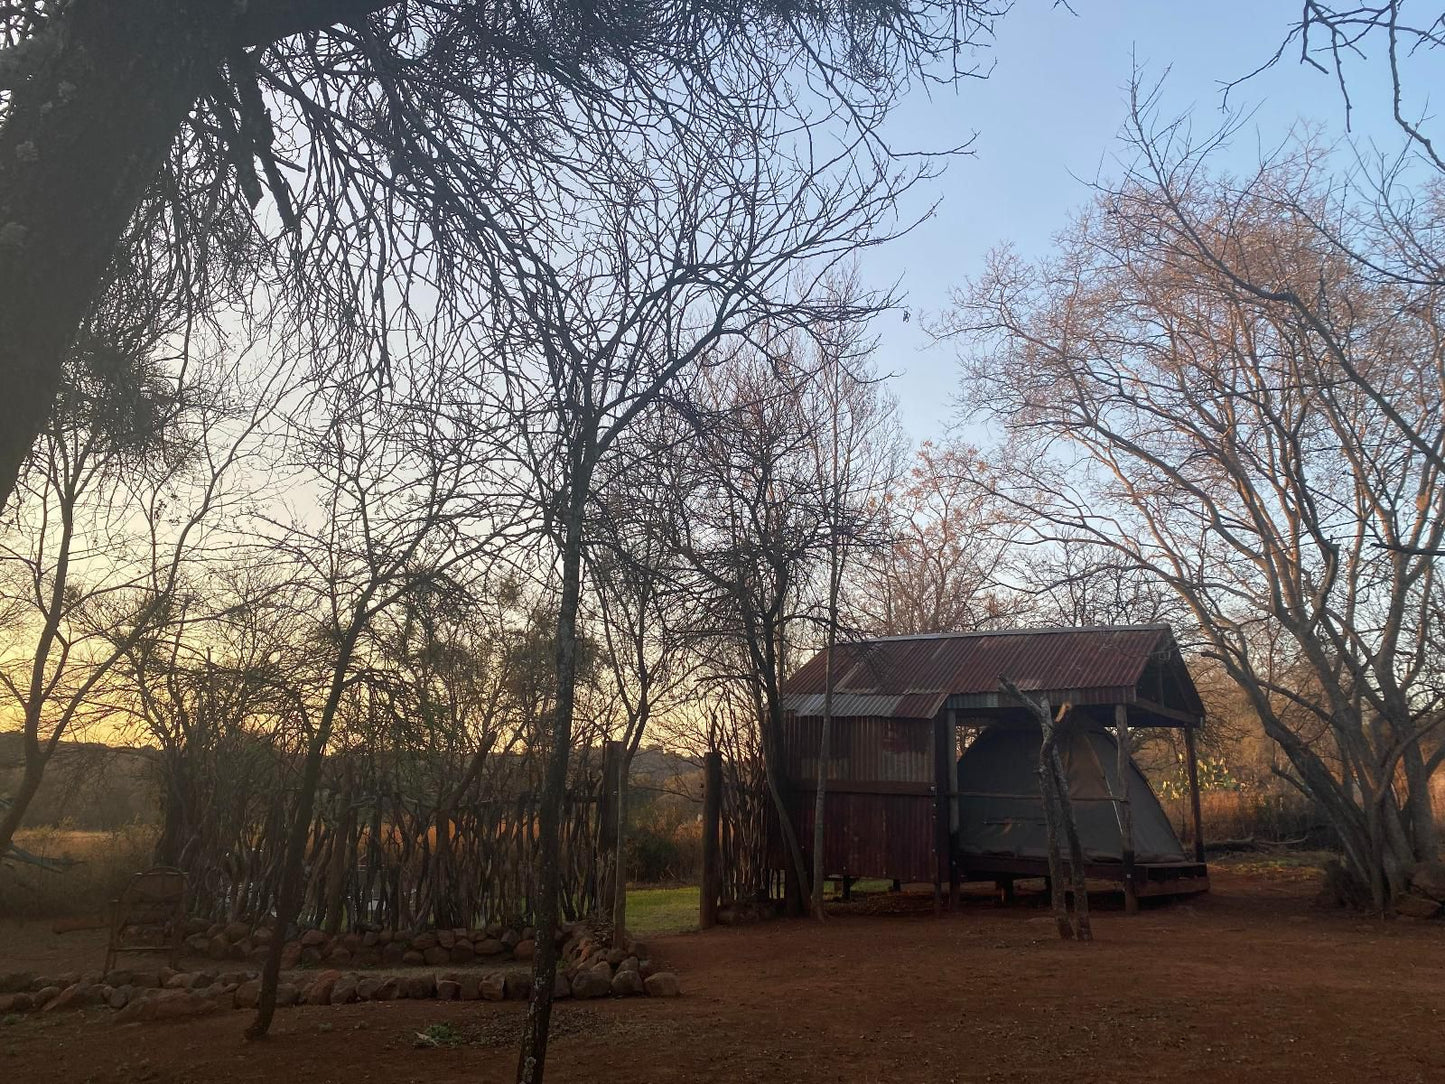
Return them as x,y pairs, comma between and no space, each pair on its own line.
1151,878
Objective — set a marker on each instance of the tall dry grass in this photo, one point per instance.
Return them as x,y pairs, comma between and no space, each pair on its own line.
1263,815
103,861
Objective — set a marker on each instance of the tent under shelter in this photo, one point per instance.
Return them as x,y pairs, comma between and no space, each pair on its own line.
933,768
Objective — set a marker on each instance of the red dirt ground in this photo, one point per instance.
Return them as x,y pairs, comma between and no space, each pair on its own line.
1248,983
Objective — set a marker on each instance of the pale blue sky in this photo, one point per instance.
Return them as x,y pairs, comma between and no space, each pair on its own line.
1046,121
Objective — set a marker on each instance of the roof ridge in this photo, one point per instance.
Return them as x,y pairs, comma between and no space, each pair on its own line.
1160,626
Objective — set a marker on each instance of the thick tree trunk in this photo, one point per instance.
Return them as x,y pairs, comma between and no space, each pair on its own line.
532,1058
104,91
771,768
14,814
1424,833
179,812
342,855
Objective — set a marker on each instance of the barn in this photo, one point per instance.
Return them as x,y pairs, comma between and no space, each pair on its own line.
931,775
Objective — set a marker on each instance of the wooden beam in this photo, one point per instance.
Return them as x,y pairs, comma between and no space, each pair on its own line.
711,840
850,786
942,848
1193,757
1111,799
953,821
1126,811
1153,707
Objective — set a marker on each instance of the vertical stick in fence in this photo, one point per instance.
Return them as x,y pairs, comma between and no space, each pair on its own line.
711,826
607,841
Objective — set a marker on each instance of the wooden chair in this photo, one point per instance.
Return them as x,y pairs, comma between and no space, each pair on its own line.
154,897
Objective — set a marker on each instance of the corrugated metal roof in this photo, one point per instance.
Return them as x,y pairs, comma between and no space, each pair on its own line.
912,676
886,705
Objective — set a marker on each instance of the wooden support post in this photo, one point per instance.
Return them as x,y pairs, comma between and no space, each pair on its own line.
952,738
1126,810
943,859
711,840
1006,894
607,802
1193,757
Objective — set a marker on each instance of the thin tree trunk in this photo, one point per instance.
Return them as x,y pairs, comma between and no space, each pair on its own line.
785,825
1071,831
619,874
1058,811
289,897
1048,793
532,1057
825,743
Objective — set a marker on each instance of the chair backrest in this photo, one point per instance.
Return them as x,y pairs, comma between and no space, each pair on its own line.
152,895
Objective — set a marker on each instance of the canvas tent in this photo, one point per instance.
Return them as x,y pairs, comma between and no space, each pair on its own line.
1000,812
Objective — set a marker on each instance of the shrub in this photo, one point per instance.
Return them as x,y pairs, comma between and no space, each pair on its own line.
662,854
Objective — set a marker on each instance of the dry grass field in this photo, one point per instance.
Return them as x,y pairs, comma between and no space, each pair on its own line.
102,862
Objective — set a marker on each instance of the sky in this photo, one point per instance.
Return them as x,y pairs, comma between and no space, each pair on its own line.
1046,122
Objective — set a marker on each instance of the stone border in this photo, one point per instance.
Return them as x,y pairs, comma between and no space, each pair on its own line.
588,968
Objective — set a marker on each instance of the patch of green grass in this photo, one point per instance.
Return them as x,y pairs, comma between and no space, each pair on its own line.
661,910
864,886
1267,862
442,1034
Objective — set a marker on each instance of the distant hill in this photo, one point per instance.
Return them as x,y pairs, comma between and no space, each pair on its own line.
87,784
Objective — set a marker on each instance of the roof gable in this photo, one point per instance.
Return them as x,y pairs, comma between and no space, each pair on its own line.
913,676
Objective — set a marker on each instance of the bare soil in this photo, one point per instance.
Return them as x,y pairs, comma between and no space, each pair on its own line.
1251,982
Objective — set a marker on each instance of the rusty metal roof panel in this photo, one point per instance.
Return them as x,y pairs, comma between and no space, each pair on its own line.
852,705
1102,663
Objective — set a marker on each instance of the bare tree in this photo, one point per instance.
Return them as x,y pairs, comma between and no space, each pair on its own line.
751,526
1271,452
1334,40
405,509
365,129
1058,815
645,610
664,266
947,567
855,461
114,518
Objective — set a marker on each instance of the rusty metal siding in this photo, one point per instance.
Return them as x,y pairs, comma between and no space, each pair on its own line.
862,750
886,834
866,835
